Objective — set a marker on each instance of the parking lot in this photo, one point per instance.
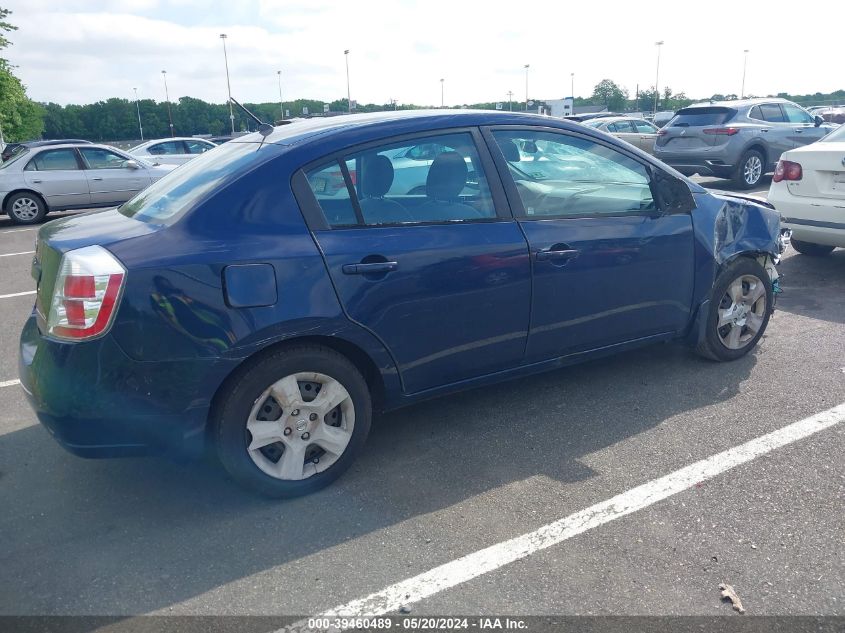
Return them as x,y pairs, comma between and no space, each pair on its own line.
447,478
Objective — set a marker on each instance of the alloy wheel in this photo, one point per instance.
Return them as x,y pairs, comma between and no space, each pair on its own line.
25,209
752,170
742,311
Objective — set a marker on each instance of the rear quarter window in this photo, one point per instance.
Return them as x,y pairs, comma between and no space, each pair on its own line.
699,117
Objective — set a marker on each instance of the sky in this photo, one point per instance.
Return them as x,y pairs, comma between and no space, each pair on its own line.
82,51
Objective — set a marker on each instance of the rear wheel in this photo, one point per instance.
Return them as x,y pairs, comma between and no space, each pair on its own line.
294,422
25,208
750,170
740,307
808,248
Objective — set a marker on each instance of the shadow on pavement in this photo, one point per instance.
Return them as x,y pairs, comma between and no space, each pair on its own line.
814,286
136,535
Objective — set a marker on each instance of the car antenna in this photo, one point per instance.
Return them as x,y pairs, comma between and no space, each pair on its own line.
265,129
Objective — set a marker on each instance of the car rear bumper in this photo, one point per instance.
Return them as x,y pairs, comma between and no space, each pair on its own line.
97,402
815,220
704,166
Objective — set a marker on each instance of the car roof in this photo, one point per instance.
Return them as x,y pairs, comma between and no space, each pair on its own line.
738,103
173,138
399,122
611,119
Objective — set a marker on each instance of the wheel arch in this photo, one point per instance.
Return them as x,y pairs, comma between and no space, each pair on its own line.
24,190
349,350
764,151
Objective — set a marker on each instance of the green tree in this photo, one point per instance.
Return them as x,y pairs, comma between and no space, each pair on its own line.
20,118
610,94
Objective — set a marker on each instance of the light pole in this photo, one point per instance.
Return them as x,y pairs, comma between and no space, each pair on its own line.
228,85
572,88
138,106
510,100
526,86
657,76
441,92
167,97
281,103
744,64
348,92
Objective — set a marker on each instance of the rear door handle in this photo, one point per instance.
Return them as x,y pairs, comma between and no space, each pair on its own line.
764,129
96,179
37,181
569,253
367,269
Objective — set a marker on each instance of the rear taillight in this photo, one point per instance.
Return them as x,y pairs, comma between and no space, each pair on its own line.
787,170
86,294
722,131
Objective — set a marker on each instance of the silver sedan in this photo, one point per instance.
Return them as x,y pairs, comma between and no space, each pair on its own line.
638,132
72,176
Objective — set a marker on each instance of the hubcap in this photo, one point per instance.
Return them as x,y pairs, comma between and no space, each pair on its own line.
753,170
742,310
300,426
25,209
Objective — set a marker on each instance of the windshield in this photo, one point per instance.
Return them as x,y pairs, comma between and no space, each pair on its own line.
163,201
837,136
15,157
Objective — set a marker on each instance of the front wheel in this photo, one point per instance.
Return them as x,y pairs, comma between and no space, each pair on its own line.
293,422
808,248
740,307
750,170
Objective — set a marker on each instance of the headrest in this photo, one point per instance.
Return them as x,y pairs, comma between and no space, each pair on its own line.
377,177
510,150
447,176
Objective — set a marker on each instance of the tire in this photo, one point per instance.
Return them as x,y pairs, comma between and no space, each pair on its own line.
250,414
737,336
808,248
25,208
750,170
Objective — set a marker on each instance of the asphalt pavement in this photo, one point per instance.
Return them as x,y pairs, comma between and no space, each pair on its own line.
447,478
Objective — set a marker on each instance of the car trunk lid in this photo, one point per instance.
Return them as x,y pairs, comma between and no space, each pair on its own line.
823,170
686,130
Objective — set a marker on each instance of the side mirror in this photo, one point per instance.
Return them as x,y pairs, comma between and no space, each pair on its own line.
818,120
131,164
673,195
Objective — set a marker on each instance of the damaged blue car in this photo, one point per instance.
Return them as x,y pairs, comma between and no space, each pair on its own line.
266,298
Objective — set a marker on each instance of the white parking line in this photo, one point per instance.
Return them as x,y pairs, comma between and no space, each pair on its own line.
496,556
18,294
9,383
13,254
17,230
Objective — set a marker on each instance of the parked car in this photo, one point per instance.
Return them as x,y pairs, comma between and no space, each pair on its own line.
638,132
590,115
172,151
47,178
241,301
808,189
660,119
13,148
741,140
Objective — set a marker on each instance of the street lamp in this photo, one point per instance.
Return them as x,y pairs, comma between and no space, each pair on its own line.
526,86
138,106
348,92
510,100
167,97
281,103
441,92
572,88
228,85
657,76
744,64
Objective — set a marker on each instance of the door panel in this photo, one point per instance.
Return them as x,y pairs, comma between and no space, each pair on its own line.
453,306
56,175
777,133
608,267
109,181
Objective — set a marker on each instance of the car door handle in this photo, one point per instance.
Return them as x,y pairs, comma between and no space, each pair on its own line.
568,253
799,129
37,181
96,179
764,129
368,269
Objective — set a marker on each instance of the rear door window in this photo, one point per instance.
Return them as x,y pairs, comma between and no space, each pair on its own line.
700,117
772,113
167,148
54,160
428,180
623,127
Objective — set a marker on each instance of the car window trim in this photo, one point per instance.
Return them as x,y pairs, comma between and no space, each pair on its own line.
310,206
513,194
782,113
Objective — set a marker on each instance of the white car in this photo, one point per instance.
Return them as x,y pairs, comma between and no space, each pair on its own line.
808,189
172,151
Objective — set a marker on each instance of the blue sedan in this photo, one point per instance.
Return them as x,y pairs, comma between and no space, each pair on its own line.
267,297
